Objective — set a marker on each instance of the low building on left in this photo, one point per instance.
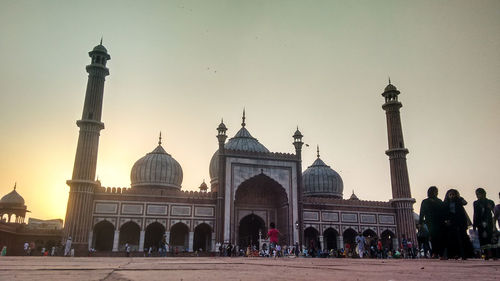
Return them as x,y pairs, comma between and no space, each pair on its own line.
15,233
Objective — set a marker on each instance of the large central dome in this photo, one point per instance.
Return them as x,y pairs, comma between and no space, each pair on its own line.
242,141
157,169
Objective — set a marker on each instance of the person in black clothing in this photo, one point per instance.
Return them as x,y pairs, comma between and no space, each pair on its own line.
455,219
431,214
483,221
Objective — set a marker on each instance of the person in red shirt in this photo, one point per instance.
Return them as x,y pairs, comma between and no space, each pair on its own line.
273,235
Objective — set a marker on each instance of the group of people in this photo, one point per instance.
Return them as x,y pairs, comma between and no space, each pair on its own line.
446,223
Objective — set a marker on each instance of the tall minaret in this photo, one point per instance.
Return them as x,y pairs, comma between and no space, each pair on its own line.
401,194
78,223
299,225
221,188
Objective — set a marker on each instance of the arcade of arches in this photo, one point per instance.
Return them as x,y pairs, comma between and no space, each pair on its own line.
262,195
103,238
331,239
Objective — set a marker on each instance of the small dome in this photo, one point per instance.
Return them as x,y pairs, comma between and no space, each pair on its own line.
321,180
390,87
12,198
242,141
156,169
353,196
203,186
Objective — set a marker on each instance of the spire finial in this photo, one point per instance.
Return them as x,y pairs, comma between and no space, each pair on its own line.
243,118
15,185
159,139
389,79
101,41
317,150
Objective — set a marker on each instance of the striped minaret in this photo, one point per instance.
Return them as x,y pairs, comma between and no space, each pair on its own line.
401,194
78,223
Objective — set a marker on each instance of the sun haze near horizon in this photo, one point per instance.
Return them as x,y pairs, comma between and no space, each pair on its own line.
180,66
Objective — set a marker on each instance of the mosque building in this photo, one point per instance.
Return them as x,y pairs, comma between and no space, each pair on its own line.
250,187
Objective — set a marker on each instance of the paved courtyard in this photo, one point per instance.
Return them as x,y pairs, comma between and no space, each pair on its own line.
96,268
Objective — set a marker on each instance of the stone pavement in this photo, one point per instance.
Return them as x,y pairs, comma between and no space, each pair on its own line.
97,268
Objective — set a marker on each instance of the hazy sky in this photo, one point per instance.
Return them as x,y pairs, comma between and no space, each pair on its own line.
179,66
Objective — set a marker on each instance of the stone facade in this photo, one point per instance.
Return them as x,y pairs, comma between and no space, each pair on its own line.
250,188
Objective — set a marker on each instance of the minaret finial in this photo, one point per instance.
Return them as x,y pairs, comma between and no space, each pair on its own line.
101,41
389,79
159,139
317,150
15,185
243,118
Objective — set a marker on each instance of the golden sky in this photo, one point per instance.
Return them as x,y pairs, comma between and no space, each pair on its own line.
180,66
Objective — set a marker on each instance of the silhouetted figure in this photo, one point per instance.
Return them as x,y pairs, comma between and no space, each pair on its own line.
431,214
455,219
483,221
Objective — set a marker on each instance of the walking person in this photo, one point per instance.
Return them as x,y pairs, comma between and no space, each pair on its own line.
273,235
483,221
431,215
455,219
67,248
360,241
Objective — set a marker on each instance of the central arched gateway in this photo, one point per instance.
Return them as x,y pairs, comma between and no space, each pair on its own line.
259,201
249,228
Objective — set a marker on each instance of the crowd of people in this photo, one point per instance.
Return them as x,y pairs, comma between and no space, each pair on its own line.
446,223
444,231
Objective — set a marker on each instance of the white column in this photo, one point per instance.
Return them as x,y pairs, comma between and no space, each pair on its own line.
116,239
395,243
141,241
340,242
191,238
322,242
167,237
91,233
212,246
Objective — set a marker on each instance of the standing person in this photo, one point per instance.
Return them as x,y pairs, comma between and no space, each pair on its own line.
483,221
431,215
67,248
423,239
360,241
379,248
497,213
26,248
4,251
273,235
497,221
404,246
127,249
456,225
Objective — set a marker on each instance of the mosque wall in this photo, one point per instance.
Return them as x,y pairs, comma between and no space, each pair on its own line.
145,212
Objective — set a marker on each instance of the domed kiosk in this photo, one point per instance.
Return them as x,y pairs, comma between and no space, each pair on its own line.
157,169
13,204
322,181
